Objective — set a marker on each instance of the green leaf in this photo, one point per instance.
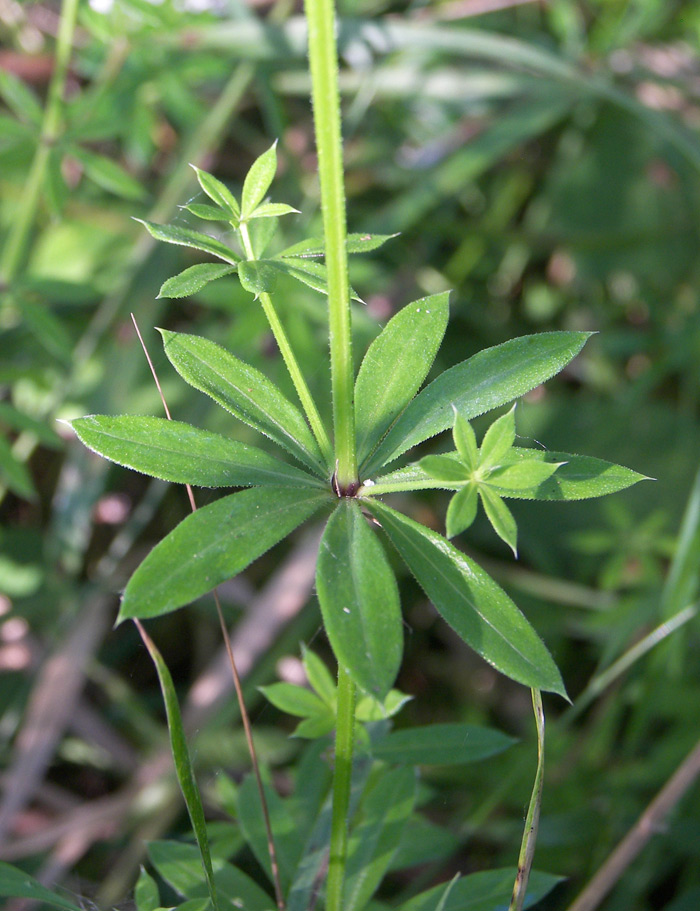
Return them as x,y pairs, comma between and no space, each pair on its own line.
179,865
575,477
218,193
319,677
308,272
477,609
274,210
257,276
462,510
107,174
257,181
15,883
500,517
214,544
261,231
20,420
385,811
193,279
183,454
526,475
244,391
359,600
395,366
14,473
183,766
370,709
498,440
206,212
489,379
354,243
443,468
315,726
20,99
578,477
441,744
487,891
184,237
146,893
294,700
465,441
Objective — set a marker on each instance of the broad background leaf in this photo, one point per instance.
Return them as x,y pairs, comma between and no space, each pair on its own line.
441,744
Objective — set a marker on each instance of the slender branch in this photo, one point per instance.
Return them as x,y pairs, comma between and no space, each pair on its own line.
323,60
305,397
17,241
342,775
532,820
651,822
234,670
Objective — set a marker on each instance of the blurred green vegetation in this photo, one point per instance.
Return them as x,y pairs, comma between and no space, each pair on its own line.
540,159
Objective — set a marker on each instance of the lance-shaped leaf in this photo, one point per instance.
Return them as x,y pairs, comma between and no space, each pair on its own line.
257,276
218,193
184,237
274,210
207,212
245,392
183,766
577,477
108,174
395,366
308,272
487,891
359,600
500,517
477,609
15,883
183,454
354,243
214,544
441,744
491,378
193,279
257,181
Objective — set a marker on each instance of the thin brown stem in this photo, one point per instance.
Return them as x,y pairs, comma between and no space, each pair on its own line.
274,866
651,822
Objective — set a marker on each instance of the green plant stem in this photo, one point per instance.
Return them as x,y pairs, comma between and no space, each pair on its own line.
15,247
323,60
532,820
305,397
342,775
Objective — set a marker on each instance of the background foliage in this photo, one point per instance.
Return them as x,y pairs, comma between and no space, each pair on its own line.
541,159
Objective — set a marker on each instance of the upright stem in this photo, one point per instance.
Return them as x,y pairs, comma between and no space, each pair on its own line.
323,60
342,775
305,397
15,247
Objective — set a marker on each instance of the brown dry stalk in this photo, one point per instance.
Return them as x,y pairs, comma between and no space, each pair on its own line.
651,822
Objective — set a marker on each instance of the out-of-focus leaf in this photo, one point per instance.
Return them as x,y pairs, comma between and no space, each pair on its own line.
107,174
441,744
487,891
14,473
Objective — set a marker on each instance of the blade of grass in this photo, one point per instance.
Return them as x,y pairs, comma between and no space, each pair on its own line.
181,757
